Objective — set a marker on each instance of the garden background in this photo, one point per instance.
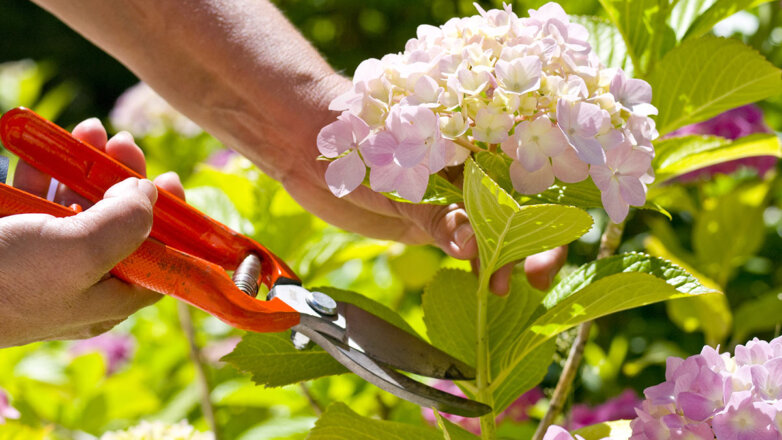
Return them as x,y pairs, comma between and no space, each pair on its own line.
726,229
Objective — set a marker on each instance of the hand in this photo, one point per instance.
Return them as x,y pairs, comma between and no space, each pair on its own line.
54,271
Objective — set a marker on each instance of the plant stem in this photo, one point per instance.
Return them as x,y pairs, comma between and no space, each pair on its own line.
186,321
468,145
608,243
483,367
317,408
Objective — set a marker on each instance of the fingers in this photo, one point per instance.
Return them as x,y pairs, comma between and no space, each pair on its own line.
170,182
31,180
100,237
543,267
91,131
499,283
123,148
448,226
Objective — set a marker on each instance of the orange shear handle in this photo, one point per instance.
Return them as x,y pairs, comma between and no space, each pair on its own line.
90,172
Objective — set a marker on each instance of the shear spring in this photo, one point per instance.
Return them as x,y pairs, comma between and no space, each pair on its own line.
246,275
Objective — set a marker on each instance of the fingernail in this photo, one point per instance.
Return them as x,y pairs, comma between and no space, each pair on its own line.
148,188
124,136
463,234
90,122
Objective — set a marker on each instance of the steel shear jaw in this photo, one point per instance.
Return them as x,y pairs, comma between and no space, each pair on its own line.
374,349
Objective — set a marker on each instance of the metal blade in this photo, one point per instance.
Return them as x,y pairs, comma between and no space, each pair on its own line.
399,349
392,381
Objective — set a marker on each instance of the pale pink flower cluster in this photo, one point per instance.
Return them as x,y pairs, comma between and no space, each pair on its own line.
531,85
716,395
6,410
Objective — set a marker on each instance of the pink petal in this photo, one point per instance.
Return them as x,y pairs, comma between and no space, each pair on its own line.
613,203
378,150
531,158
410,152
632,190
345,174
531,183
412,183
588,149
440,154
383,178
335,138
569,168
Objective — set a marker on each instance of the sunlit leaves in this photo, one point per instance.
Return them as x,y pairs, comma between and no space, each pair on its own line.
680,155
706,76
507,231
704,20
761,314
594,290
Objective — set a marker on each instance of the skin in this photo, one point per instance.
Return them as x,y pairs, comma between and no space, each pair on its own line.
241,71
57,285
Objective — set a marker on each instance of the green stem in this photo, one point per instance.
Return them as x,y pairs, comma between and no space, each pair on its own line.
610,240
483,367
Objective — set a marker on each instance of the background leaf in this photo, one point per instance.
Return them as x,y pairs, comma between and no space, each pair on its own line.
680,155
721,9
606,42
707,76
340,422
452,431
761,314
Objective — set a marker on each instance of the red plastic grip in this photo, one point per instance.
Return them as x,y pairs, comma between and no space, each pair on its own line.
163,269
90,172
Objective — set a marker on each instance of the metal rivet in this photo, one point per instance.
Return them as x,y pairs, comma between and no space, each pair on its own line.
322,303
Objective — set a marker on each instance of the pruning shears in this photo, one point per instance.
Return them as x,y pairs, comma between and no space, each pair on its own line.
189,254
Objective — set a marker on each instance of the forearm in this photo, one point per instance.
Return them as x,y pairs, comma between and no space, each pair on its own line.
235,67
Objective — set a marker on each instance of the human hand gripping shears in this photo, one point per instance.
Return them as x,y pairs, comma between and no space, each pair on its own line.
188,255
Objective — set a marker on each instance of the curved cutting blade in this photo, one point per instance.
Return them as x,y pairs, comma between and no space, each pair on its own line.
392,381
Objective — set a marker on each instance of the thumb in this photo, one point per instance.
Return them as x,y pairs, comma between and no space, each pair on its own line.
103,235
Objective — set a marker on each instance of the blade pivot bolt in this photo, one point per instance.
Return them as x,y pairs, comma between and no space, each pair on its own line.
322,303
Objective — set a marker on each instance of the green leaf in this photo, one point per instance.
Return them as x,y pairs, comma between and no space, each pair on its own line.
496,166
606,42
729,229
508,232
615,430
706,76
438,192
680,155
597,289
449,304
720,10
761,314
643,27
273,361
452,431
340,422
523,375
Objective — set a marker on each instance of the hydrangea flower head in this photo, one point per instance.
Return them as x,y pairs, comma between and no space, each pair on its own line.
712,395
159,431
530,85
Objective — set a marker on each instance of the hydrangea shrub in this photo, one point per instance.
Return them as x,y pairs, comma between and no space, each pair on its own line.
530,87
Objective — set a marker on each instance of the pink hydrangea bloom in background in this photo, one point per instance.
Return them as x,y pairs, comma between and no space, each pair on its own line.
517,411
141,111
532,84
716,395
555,432
6,410
732,124
116,348
618,408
